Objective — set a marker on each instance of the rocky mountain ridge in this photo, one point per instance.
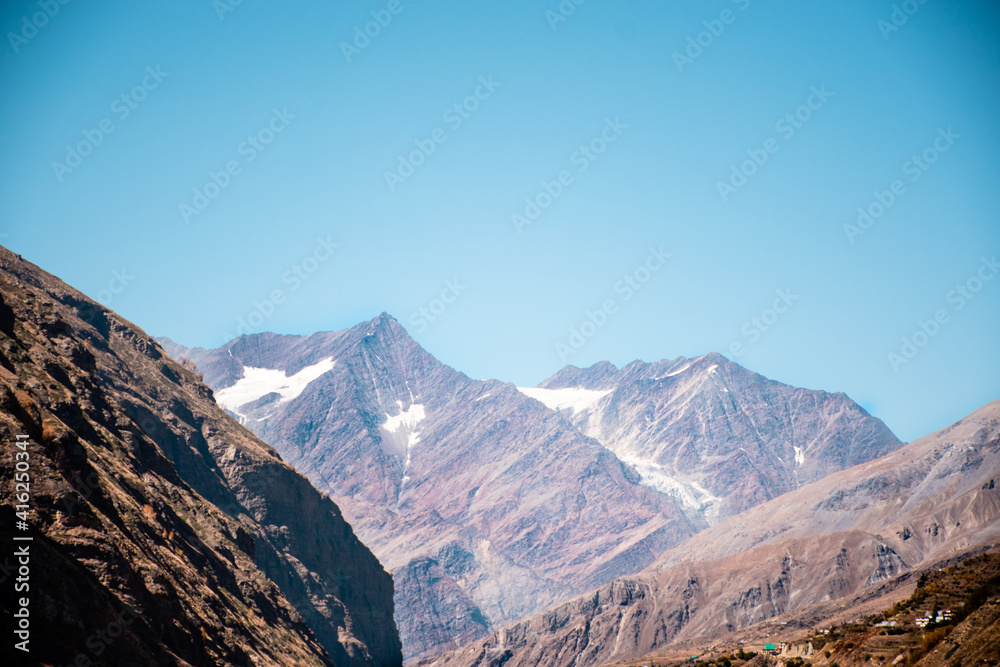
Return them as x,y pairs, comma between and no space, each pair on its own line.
851,535
165,533
713,434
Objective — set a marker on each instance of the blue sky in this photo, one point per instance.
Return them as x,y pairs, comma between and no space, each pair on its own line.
619,123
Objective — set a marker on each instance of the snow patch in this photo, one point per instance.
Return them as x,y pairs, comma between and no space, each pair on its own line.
573,398
691,494
800,455
259,382
402,430
406,421
676,372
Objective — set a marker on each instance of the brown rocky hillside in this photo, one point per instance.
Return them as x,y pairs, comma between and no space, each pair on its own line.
164,532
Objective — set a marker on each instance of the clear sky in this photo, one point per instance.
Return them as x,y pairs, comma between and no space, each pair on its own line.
192,166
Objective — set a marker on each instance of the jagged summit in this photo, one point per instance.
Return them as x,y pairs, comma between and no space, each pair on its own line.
604,374
592,377
263,343
385,321
381,340
713,434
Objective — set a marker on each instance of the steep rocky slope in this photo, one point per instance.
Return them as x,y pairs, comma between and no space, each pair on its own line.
934,496
486,505
837,538
951,619
164,533
713,434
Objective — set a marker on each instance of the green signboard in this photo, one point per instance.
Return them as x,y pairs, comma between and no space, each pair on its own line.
768,647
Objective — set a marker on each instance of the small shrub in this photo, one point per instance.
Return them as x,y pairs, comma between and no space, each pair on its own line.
49,433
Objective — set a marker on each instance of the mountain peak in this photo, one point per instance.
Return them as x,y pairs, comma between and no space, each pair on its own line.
595,376
384,317
384,323
715,358
384,334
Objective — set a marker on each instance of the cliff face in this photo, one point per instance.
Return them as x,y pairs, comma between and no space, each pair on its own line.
164,532
633,616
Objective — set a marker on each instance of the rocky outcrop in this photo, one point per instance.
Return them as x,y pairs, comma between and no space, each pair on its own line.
164,532
634,616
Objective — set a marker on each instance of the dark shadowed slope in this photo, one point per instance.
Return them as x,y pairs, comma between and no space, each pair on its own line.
149,501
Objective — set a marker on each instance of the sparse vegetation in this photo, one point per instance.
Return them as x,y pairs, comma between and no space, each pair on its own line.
929,642
737,658
191,366
912,628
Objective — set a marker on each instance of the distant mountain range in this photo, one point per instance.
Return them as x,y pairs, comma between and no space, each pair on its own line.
486,505
489,502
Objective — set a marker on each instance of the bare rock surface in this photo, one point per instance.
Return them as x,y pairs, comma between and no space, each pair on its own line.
715,435
849,536
164,532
